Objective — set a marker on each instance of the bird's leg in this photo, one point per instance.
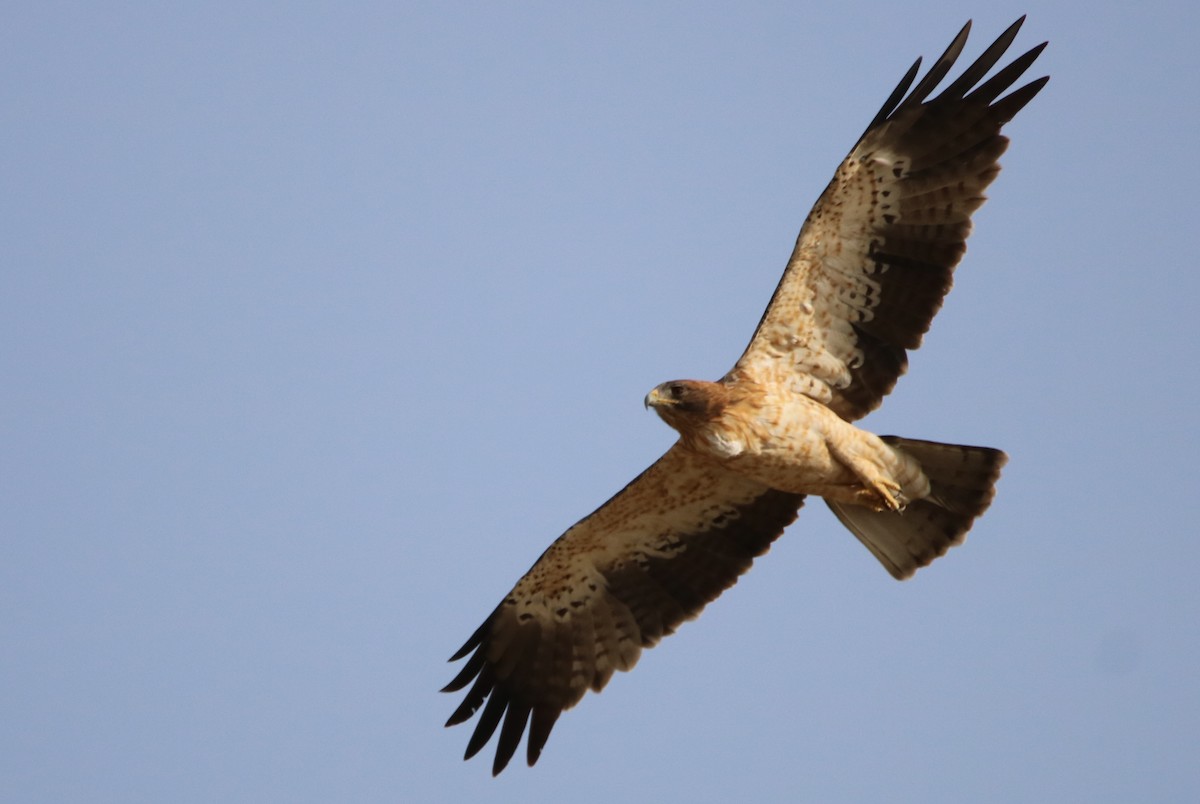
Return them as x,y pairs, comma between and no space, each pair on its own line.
877,490
886,491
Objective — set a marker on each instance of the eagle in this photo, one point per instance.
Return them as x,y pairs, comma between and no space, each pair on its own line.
872,264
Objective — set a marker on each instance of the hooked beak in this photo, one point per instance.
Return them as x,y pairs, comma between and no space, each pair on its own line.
655,399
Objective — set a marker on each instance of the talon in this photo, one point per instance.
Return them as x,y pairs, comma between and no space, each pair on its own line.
890,493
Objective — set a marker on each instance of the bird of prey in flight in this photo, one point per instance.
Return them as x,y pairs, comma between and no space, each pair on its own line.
871,266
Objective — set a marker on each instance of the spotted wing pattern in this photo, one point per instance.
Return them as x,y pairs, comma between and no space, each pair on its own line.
615,583
876,256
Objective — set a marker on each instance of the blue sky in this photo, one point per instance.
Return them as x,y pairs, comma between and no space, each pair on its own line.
321,321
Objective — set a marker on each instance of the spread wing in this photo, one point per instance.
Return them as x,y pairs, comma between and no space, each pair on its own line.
876,255
616,582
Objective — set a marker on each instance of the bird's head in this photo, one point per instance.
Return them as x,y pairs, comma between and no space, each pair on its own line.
681,403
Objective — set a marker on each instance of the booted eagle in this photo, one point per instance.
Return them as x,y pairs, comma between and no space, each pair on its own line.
871,266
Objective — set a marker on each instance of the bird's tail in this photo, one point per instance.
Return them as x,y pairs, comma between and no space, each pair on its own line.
962,482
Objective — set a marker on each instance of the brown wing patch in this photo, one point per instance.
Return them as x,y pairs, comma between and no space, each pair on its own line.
617,582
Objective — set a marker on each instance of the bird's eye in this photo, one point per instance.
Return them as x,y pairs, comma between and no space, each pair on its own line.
675,390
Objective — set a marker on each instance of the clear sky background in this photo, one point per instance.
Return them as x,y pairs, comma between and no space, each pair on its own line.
318,322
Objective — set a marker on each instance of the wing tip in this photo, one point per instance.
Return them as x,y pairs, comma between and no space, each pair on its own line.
902,98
